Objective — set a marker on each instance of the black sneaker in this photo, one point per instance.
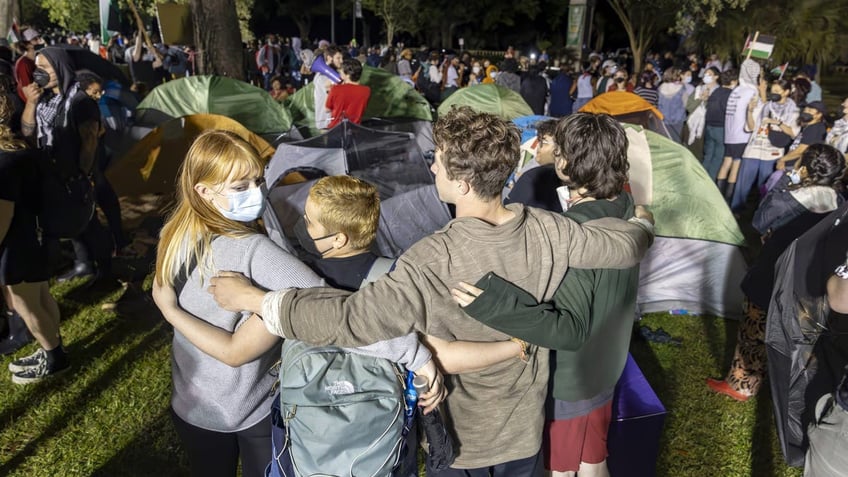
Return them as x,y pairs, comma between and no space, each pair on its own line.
40,372
28,362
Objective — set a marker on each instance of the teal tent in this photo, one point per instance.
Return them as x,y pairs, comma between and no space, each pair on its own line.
391,97
252,107
488,98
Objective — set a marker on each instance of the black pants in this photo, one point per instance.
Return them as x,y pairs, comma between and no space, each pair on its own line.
94,245
108,202
528,467
213,454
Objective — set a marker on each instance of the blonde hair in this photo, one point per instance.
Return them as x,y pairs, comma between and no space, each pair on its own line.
347,205
8,141
214,157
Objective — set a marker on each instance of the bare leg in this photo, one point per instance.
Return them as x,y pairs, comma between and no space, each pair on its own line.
724,170
594,470
734,171
42,322
553,473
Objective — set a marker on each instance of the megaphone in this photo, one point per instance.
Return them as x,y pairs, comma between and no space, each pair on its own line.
318,66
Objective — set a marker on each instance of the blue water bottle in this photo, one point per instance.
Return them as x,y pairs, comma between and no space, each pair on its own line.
410,396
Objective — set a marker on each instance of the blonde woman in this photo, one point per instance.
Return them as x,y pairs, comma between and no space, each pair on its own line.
24,270
221,398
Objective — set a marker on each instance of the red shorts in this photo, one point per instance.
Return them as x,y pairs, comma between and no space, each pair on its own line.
568,442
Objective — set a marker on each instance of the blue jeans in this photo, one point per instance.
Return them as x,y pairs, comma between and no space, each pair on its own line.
713,150
752,171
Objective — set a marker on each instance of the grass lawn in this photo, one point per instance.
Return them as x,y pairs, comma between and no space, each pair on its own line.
109,415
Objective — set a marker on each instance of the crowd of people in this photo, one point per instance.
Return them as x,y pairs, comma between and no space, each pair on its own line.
513,299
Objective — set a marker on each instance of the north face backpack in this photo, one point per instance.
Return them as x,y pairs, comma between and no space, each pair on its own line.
343,412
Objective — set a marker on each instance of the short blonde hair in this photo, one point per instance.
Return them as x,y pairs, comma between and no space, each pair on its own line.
347,205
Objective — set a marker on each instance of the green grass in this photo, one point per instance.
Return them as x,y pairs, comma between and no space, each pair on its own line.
109,415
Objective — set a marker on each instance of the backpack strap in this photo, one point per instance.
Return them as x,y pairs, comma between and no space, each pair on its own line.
380,267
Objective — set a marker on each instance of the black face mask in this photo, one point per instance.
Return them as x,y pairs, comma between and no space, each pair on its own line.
619,80
306,241
805,118
840,113
40,77
39,47
774,97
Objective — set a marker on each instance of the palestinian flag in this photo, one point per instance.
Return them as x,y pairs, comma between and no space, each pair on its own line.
109,20
760,47
14,34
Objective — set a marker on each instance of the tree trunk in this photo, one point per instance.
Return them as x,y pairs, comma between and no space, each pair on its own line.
303,28
218,39
390,33
8,11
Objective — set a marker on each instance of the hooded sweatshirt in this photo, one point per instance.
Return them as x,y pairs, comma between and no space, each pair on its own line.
736,115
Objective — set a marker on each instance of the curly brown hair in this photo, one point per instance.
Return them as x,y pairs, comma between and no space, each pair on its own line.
480,148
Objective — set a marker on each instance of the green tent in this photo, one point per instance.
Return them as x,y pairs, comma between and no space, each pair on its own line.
253,107
391,97
488,98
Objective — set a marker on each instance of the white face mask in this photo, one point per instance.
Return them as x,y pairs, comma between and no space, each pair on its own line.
794,176
687,79
245,206
493,74
708,80
476,70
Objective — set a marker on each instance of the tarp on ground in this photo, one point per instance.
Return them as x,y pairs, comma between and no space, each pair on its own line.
488,98
391,97
253,107
409,205
151,165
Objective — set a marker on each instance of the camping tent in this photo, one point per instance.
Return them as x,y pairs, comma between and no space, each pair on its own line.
695,263
253,107
391,97
410,208
628,108
152,164
488,98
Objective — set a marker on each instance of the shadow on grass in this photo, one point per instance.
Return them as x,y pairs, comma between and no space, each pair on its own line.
154,450
81,356
762,452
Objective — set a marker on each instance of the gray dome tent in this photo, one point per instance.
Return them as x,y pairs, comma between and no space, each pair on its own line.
410,208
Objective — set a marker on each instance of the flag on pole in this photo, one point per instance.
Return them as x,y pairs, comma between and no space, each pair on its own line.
780,70
14,34
760,47
109,20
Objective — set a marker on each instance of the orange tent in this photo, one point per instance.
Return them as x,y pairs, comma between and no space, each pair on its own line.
627,108
151,166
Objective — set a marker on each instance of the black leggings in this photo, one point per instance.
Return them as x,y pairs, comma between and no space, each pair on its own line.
213,454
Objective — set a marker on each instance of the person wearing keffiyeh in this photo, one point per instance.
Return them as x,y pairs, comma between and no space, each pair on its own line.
65,124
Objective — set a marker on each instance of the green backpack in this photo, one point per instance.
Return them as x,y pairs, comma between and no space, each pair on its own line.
344,412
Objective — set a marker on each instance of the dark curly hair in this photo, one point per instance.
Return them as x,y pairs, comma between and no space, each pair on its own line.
480,148
825,166
593,148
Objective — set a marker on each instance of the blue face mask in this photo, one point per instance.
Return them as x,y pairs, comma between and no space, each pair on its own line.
245,206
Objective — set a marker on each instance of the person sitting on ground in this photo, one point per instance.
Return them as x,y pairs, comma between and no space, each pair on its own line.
813,131
591,309
24,268
815,185
349,99
838,134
